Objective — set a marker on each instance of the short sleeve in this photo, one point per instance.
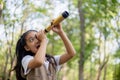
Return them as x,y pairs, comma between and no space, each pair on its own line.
57,59
25,62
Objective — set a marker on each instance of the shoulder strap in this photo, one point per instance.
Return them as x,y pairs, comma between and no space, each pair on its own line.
22,73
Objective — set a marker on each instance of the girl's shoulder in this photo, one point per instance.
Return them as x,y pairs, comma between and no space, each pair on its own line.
27,58
57,59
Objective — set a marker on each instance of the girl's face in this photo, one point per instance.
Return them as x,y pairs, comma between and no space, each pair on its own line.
32,43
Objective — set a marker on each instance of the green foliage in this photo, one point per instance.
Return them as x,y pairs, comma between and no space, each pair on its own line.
117,54
90,46
116,74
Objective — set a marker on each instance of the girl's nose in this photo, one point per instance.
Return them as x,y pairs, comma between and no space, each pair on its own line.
36,40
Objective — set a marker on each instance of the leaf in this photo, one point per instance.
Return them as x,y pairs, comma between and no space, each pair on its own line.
117,54
114,1
111,13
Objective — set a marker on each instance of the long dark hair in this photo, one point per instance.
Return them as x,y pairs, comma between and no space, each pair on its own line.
21,52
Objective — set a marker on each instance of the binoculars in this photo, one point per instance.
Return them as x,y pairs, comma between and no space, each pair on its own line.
56,21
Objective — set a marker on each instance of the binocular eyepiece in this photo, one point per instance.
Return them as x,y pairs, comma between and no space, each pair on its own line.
56,21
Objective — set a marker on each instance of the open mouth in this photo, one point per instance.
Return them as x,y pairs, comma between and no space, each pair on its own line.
38,46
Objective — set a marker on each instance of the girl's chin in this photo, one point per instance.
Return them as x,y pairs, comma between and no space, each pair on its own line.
36,50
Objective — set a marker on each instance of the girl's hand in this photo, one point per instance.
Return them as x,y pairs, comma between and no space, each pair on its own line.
57,28
41,35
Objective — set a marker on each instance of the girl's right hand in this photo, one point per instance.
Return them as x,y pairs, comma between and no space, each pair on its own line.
41,35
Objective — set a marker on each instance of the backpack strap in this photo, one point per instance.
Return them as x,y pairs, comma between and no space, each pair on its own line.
22,73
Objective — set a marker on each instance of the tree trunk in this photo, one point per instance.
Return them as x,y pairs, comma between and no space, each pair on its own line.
1,7
105,68
100,70
5,66
1,10
101,67
82,42
105,71
91,70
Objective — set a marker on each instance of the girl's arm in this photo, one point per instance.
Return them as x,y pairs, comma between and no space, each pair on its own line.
70,51
39,57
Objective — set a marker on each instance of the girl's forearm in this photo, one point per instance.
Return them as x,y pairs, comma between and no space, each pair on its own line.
40,55
68,45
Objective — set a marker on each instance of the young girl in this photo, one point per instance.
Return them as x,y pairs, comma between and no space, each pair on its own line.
32,61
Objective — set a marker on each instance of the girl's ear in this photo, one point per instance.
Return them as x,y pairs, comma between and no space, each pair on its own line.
27,48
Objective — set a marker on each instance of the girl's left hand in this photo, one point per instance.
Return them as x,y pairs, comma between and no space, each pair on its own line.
57,28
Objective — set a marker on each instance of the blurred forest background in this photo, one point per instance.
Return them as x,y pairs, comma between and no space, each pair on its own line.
93,28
